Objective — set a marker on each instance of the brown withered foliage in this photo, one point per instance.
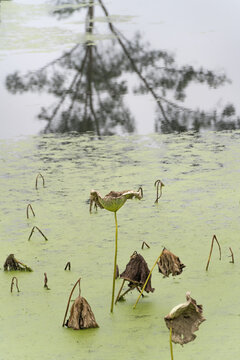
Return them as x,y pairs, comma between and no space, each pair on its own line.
169,264
184,320
12,264
81,315
137,271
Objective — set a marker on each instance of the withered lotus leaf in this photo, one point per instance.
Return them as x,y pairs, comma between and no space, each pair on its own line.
137,271
12,264
114,200
169,264
185,319
81,315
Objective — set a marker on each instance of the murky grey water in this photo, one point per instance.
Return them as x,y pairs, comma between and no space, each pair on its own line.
201,174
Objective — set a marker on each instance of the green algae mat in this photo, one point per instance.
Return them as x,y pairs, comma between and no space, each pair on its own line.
201,174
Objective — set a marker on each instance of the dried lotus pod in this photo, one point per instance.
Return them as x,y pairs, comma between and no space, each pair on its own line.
81,315
184,319
169,264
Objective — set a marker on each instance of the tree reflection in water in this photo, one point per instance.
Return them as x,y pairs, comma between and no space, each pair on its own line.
90,82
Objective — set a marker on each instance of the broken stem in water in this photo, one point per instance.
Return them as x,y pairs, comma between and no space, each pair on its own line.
211,249
231,256
30,207
36,183
35,227
159,184
12,283
144,243
147,280
68,266
69,299
46,281
115,261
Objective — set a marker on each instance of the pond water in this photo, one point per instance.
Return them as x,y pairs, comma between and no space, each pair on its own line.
201,173
30,38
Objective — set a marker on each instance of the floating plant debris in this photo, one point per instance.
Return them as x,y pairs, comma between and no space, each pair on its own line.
12,264
81,315
169,264
184,319
113,202
136,273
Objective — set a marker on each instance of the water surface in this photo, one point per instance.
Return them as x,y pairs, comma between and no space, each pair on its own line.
201,173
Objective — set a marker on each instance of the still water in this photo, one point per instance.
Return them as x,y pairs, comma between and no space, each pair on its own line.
201,173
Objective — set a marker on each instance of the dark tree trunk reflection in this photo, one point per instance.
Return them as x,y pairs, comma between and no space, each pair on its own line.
89,83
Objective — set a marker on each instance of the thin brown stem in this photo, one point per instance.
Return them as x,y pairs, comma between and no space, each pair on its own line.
35,227
30,207
46,281
16,282
69,299
211,249
25,266
68,266
144,243
37,177
130,289
118,295
158,184
232,261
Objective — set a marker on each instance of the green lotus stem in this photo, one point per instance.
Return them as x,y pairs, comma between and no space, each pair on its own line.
146,281
115,260
170,340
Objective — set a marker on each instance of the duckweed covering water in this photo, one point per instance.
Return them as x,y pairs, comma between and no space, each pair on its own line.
201,197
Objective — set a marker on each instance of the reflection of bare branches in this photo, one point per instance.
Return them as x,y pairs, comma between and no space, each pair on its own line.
89,69
58,59
156,97
66,92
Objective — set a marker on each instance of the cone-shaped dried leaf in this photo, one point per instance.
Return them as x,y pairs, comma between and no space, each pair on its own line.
12,264
169,264
184,319
137,272
114,200
81,315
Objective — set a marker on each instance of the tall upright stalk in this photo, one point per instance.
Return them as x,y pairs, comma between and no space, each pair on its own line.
115,260
170,341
